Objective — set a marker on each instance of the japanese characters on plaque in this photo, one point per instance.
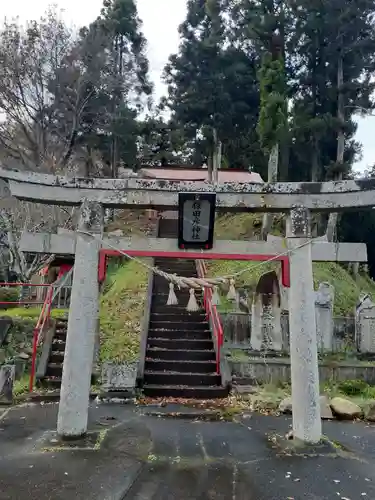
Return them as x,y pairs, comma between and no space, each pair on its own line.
196,220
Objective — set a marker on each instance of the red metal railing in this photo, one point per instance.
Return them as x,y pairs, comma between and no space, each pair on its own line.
23,302
43,319
212,314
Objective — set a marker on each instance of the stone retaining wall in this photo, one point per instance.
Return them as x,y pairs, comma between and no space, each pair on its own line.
276,371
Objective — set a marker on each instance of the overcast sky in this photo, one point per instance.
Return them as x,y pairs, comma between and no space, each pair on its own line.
160,22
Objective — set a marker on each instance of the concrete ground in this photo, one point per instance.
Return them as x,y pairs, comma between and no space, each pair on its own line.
144,457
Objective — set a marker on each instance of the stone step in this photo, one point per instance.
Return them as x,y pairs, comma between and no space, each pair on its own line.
180,354
179,270
60,334
185,272
171,235
182,295
160,298
54,370
175,263
187,379
197,392
163,283
179,309
195,317
58,345
61,323
55,382
182,335
184,292
56,357
167,225
176,344
180,366
169,232
182,325
51,381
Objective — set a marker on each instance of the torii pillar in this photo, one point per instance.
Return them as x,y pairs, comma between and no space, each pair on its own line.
307,426
82,326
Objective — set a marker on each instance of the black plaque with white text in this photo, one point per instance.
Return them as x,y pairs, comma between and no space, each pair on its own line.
196,220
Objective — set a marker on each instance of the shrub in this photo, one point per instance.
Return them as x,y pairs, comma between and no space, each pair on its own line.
352,387
8,294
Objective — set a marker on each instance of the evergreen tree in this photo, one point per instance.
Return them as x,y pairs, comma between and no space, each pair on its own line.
333,55
116,38
213,86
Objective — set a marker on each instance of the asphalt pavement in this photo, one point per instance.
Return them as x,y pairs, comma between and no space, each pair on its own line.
131,455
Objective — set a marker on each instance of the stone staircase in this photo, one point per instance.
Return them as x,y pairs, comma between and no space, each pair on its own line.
53,374
180,356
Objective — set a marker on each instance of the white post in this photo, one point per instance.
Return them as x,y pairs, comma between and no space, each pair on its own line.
307,425
82,326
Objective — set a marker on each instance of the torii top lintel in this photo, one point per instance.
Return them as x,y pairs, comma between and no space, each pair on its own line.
161,194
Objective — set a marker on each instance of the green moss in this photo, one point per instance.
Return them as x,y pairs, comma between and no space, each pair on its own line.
121,312
21,386
238,355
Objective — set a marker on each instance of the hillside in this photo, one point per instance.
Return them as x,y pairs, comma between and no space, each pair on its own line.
245,226
121,311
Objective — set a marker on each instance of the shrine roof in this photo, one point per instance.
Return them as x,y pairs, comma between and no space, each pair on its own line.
199,175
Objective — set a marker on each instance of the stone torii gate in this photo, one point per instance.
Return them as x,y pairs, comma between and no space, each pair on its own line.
94,195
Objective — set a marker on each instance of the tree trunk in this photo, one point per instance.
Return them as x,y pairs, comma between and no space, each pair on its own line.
317,223
210,168
315,167
333,218
114,156
116,101
216,157
219,153
273,167
284,161
88,163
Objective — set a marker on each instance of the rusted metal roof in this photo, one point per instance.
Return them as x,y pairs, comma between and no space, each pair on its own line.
182,174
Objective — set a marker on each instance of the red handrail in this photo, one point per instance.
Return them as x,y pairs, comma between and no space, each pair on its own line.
43,317
211,312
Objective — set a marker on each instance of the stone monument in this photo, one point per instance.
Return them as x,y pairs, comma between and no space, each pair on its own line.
324,299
